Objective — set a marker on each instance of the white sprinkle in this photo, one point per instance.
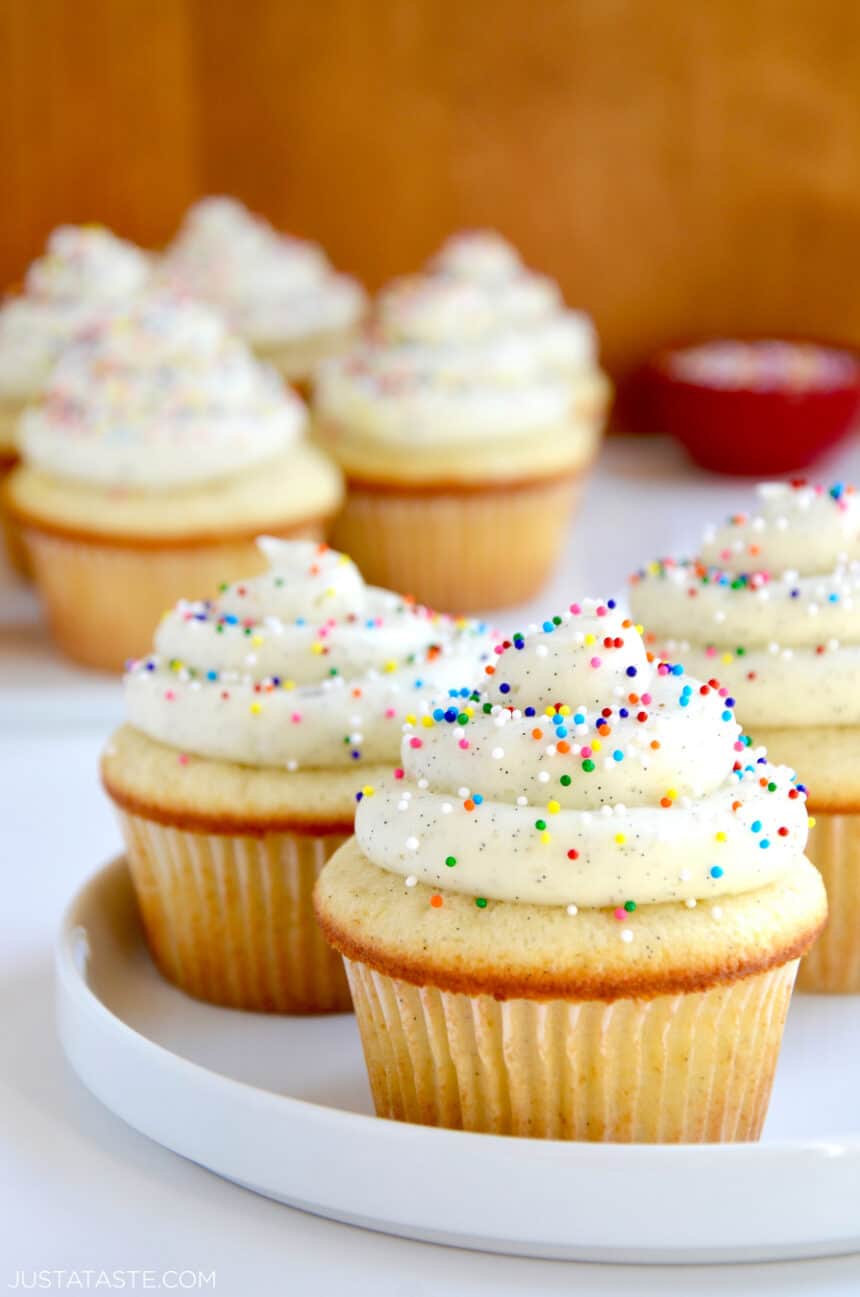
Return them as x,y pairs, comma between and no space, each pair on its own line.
497,754
717,911
541,650
402,805
573,910
684,875
446,808
462,792
292,765
522,801
690,902
411,881
543,776
423,783
411,844
627,935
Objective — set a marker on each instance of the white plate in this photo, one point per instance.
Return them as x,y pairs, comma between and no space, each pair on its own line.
281,1106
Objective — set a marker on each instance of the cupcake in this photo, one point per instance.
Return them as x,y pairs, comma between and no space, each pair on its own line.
561,922
280,294
259,719
84,270
160,450
466,420
773,606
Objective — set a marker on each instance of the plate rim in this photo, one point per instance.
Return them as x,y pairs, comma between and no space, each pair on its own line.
76,1000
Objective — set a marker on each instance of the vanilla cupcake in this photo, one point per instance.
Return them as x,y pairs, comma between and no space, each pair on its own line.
579,912
280,294
772,606
160,450
84,271
466,422
252,729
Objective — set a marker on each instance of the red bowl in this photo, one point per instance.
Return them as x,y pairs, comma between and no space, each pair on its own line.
754,407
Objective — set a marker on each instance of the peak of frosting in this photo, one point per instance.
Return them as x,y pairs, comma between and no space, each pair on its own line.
87,262
84,271
159,395
302,666
477,255
795,527
588,772
271,285
772,603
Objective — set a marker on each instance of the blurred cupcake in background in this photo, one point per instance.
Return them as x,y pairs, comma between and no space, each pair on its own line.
772,606
260,719
159,451
464,424
280,294
83,271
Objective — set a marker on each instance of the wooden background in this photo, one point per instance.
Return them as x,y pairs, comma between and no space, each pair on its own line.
680,165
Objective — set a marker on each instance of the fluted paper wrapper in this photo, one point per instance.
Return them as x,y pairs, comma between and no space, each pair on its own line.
104,602
688,1068
230,919
833,963
458,551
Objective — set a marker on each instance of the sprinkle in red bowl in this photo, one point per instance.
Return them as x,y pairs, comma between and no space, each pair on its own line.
755,407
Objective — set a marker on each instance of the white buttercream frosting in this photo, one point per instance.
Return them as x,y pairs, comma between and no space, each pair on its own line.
272,288
477,346
84,270
588,774
772,605
305,666
159,396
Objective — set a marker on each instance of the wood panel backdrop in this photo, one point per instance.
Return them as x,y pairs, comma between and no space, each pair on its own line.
680,167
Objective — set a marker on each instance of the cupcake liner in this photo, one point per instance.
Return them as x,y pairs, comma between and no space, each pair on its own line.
104,602
229,919
688,1068
458,549
10,528
833,963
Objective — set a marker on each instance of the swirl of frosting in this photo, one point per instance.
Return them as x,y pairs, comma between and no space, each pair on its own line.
305,666
85,269
271,287
476,346
159,396
588,774
772,603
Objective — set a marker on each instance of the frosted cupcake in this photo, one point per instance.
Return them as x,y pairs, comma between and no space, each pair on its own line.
84,270
772,605
255,724
279,293
160,450
466,423
578,914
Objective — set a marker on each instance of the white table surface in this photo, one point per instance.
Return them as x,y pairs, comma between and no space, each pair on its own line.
79,1190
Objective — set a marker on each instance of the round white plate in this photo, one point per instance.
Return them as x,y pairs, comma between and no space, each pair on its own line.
281,1106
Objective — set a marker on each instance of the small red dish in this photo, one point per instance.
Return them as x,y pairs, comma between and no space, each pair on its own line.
756,406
